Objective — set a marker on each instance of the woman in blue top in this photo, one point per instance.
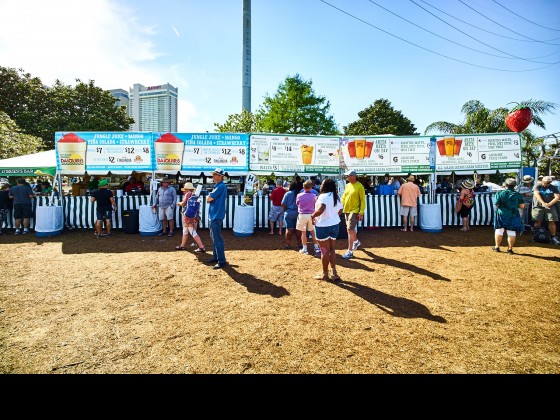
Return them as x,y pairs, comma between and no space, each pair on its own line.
507,217
291,213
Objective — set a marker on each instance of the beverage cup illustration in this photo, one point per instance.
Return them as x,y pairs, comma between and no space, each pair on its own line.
441,147
360,148
72,153
457,149
449,146
306,154
264,154
369,147
352,149
169,153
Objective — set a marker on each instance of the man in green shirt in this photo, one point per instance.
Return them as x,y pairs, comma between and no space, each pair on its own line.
353,207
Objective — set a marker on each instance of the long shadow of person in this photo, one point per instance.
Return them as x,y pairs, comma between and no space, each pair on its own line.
396,306
255,285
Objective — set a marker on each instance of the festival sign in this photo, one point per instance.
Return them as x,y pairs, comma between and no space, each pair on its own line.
201,152
378,155
478,152
294,154
78,152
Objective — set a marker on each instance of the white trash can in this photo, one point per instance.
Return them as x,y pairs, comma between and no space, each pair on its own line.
150,225
430,218
49,221
244,221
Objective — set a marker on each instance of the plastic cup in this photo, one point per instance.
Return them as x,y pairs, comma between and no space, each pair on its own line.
360,148
352,149
306,154
72,154
457,149
369,147
441,147
169,153
449,146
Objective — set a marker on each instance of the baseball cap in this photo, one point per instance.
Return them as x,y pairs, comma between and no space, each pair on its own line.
218,171
103,183
350,173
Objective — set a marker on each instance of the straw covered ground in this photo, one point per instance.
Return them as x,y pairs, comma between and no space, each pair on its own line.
409,303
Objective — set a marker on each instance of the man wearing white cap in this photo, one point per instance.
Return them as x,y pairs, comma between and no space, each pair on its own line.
216,214
354,206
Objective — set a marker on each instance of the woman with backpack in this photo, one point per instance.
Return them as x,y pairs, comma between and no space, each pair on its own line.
190,220
507,218
291,213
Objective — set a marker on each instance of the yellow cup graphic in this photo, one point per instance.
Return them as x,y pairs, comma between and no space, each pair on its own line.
449,146
360,148
169,153
72,154
306,154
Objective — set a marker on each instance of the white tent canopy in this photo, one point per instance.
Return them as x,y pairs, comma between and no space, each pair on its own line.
35,164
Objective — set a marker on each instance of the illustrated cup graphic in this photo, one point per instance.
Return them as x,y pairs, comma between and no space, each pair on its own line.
352,149
263,154
306,154
72,154
441,147
360,148
449,146
169,153
457,149
369,147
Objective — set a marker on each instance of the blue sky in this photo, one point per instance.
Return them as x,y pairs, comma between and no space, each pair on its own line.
353,51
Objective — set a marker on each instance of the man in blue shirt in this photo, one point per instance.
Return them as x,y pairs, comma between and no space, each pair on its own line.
216,214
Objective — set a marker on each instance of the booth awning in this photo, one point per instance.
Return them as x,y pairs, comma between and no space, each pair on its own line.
35,164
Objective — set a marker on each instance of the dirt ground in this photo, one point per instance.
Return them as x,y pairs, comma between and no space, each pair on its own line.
413,302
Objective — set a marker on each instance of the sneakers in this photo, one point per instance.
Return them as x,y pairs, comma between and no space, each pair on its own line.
25,231
18,231
510,251
496,248
317,249
356,244
304,251
555,240
348,255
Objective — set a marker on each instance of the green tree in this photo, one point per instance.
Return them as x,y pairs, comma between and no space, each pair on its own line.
380,118
12,142
246,122
41,111
296,109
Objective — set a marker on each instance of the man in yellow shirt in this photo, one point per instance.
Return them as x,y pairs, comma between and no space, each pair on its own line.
353,207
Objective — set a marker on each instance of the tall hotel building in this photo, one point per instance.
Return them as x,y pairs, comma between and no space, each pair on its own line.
153,108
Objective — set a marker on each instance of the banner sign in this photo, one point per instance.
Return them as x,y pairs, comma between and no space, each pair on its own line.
201,152
289,153
478,152
249,190
379,155
79,152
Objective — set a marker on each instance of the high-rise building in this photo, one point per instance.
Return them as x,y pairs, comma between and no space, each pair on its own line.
121,97
153,108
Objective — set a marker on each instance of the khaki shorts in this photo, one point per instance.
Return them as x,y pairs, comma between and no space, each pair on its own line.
351,220
304,222
409,211
540,214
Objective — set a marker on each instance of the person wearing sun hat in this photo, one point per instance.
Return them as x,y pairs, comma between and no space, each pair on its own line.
465,203
189,223
544,209
166,200
216,213
106,204
507,218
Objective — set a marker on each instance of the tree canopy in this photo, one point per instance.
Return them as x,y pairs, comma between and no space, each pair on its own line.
380,118
246,122
12,142
40,110
295,108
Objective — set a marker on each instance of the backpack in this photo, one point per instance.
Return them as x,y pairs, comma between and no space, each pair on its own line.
192,208
541,235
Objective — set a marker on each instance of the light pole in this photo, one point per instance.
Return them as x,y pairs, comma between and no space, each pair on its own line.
246,63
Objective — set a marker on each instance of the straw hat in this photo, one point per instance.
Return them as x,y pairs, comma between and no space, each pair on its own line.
528,178
467,184
411,178
188,186
166,180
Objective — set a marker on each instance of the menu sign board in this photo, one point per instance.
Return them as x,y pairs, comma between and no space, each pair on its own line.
289,153
378,155
478,152
202,152
78,152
